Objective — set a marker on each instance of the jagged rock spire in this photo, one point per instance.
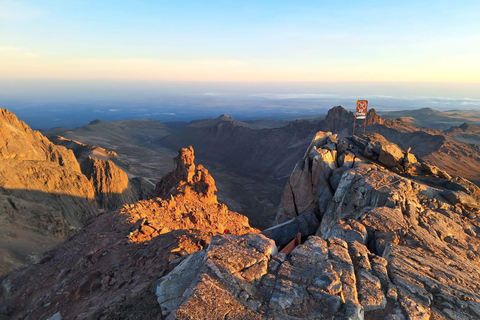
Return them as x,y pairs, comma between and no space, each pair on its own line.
187,178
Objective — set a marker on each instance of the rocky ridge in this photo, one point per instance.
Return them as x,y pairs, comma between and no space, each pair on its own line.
46,195
82,150
397,238
251,165
467,133
43,193
105,271
111,184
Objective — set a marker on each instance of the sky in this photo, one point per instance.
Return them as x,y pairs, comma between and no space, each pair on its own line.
241,41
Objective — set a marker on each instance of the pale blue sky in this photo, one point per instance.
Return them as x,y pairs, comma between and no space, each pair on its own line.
426,41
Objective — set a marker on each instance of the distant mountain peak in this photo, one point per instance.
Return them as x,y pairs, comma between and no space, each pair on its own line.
428,110
222,119
95,121
464,126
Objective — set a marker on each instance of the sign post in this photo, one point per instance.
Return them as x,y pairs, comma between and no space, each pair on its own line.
361,113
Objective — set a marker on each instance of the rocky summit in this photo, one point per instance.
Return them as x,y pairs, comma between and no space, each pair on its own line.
407,228
386,236
381,231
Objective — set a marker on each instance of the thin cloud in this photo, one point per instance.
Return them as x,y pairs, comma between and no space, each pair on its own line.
470,103
17,51
282,96
11,11
30,55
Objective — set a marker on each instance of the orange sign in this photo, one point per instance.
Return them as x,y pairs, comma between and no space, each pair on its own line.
361,110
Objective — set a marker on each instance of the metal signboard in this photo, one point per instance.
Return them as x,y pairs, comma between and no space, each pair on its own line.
361,110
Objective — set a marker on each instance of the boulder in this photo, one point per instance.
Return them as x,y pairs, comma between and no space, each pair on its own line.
222,272
348,230
385,152
460,197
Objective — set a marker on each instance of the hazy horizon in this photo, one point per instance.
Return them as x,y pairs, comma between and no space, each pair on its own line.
68,62
69,104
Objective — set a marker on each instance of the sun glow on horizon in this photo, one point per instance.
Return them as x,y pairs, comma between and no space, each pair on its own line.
266,41
29,66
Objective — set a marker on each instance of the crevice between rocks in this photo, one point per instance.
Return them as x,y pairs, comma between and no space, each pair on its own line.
293,197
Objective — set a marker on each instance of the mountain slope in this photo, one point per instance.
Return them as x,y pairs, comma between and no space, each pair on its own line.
43,192
466,133
242,148
45,195
434,119
110,264
134,142
395,239
455,157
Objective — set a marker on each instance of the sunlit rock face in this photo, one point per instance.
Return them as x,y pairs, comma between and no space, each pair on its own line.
111,184
107,269
187,179
45,195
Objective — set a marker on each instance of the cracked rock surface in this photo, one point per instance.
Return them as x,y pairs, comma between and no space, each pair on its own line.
397,239
410,230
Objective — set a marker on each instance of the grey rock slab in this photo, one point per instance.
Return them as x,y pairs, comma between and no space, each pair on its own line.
370,292
171,288
286,294
349,230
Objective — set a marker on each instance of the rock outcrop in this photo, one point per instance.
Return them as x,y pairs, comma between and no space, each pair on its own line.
19,142
402,225
340,121
217,283
397,239
82,150
106,270
45,195
187,179
111,184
